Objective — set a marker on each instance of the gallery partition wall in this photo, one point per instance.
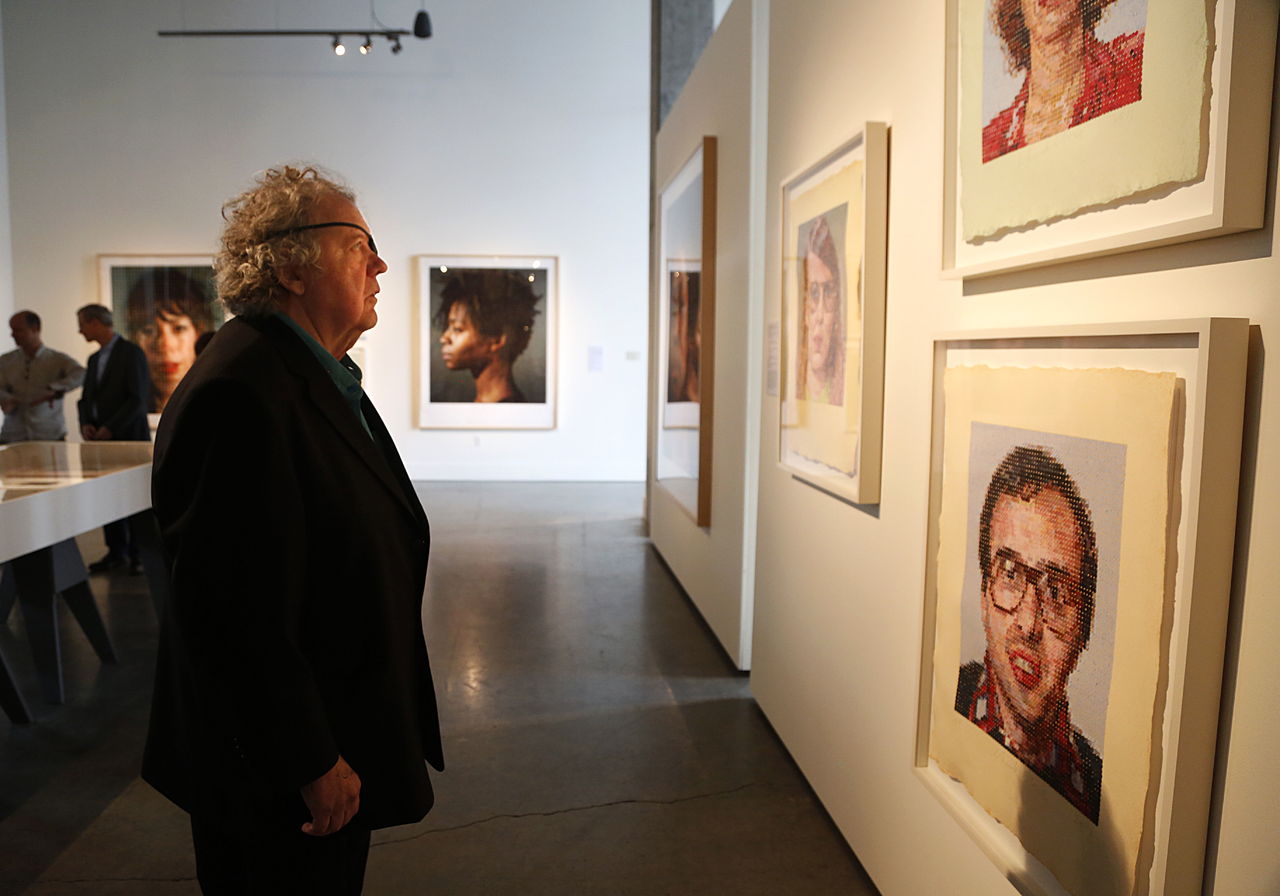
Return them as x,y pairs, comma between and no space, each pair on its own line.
1011,588
706,352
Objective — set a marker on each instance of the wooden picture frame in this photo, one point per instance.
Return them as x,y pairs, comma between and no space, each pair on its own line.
686,339
835,221
1098,188
505,379
1172,391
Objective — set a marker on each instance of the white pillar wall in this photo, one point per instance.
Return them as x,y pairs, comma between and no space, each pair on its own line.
7,306
518,129
715,564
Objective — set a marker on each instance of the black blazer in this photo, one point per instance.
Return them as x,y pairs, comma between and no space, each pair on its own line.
298,553
121,393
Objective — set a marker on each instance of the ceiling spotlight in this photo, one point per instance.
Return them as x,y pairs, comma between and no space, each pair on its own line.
422,24
421,29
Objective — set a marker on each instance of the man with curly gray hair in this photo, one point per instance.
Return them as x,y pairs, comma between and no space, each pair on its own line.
294,710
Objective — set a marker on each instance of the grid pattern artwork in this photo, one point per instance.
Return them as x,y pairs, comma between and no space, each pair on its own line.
1038,558
1069,73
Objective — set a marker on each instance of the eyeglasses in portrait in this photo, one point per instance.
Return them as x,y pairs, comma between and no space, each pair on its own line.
832,318
1038,611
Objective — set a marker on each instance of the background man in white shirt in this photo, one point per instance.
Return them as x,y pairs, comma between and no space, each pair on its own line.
33,379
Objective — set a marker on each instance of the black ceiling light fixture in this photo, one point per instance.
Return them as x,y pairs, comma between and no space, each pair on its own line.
421,30
422,24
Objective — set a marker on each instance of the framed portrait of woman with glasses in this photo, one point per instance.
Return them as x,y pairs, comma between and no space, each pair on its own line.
833,318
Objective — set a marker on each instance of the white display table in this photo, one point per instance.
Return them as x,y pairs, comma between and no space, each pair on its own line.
54,490
50,492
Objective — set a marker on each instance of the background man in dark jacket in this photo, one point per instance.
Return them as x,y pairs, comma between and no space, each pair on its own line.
113,407
294,706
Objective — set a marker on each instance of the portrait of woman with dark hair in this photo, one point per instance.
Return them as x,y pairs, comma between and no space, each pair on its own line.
485,317
1069,75
684,350
166,309
821,342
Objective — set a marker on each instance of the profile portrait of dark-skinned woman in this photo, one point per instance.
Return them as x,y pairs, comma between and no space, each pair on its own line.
485,318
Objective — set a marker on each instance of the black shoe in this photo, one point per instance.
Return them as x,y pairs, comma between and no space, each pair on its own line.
107,563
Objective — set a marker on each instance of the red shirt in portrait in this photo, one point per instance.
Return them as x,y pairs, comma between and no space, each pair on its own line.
1112,78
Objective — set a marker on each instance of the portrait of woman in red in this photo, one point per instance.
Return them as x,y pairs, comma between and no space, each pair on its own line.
1069,76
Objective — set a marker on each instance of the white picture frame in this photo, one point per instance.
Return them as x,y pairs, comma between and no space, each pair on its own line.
134,285
1228,197
832,439
446,398
1166,851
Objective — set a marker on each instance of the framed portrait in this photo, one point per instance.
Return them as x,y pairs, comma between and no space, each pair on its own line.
487,341
164,303
834,220
1082,503
1145,124
683,331
686,339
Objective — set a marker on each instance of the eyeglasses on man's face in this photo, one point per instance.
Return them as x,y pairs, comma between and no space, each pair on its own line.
1057,592
288,231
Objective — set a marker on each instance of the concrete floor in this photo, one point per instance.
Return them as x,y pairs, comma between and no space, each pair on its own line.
597,739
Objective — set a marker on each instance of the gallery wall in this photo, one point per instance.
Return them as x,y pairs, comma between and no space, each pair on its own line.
714,563
518,129
840,589
6,245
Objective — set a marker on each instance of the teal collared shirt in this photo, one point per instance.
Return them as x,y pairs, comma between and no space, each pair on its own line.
345,374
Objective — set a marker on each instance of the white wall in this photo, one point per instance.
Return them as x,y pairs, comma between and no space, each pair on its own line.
6,246
839,591
718,9
517,129
714,564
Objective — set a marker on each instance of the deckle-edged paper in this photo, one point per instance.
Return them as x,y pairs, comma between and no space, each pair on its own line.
1151,135
822,402
1111,431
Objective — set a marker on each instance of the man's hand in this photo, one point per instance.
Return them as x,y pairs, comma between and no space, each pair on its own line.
90,432
333,798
